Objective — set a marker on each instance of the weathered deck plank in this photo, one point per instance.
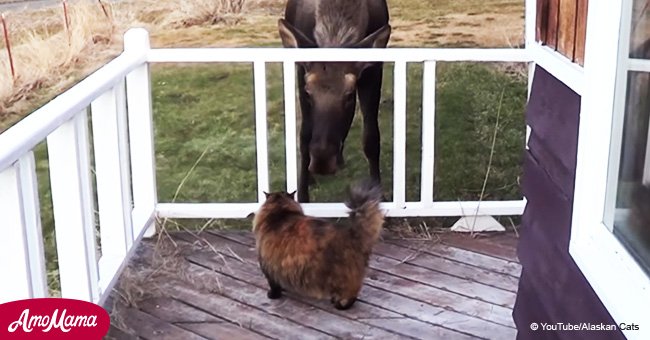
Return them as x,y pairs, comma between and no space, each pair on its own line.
150,327
115,333
454,268
472,258
465,287
453,284
383,320
380,279
214,289
434,296
189,318
442,316
496,244
244,315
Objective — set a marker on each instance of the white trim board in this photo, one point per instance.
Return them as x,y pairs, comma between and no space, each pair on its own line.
569,73
615,276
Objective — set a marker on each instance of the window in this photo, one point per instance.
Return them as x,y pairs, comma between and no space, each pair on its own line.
627,211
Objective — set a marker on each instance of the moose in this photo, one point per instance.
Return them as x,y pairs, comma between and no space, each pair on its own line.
328,90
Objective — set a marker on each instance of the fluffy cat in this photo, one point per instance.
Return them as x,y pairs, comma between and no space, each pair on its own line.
315,257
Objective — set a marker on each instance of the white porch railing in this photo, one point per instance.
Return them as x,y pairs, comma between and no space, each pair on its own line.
119,96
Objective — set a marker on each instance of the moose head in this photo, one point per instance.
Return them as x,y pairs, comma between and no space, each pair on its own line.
328,92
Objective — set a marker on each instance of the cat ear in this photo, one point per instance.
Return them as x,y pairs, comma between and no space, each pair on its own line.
293,195
266,194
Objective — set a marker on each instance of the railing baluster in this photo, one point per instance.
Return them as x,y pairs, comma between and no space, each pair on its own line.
259,72
16,283
33,229
399,135
73,209
141,142
112,181
428,132
289,69
125,165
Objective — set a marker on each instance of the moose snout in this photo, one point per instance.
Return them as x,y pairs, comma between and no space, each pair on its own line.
320,166
322,160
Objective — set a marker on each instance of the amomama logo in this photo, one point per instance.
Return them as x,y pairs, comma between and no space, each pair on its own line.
53,318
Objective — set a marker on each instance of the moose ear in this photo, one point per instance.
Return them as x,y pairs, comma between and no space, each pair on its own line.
378,39
292,37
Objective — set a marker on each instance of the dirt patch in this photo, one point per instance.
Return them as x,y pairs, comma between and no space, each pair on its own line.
484,30
415,24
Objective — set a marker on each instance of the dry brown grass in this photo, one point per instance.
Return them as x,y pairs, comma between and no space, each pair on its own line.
47,61
44,60
461,30
48,58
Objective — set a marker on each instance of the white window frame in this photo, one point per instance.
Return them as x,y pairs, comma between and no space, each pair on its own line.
618,280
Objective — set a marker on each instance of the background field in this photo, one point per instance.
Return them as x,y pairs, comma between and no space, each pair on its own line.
203,114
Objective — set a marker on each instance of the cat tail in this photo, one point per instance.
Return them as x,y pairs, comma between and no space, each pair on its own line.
366,216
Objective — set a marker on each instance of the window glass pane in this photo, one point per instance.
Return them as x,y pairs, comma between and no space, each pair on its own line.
632,203
632,217
640,30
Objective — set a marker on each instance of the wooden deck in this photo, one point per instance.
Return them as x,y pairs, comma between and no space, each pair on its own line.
209,286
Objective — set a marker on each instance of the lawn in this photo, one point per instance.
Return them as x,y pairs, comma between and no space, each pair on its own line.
208,110
204,117
205,134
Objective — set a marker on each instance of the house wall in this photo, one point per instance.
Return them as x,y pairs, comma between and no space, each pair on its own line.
562,26
551,288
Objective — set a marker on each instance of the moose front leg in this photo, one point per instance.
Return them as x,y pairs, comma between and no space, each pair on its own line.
340,161
305,138
369,89
303,180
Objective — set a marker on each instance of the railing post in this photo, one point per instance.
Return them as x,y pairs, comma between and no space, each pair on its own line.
428,133
141,138
399,135
72,202
289,69
259,74
530,23
113,190
21,246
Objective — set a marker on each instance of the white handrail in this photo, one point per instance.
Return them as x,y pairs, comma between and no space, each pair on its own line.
34,128
270,55
410,209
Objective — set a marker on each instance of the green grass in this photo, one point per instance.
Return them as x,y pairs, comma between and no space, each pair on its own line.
209,108
205,139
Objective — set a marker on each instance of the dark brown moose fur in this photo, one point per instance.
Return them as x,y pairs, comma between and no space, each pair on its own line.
328,91
314,257
640,212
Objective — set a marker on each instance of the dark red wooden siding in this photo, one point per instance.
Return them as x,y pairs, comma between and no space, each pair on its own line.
552,288
561,25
